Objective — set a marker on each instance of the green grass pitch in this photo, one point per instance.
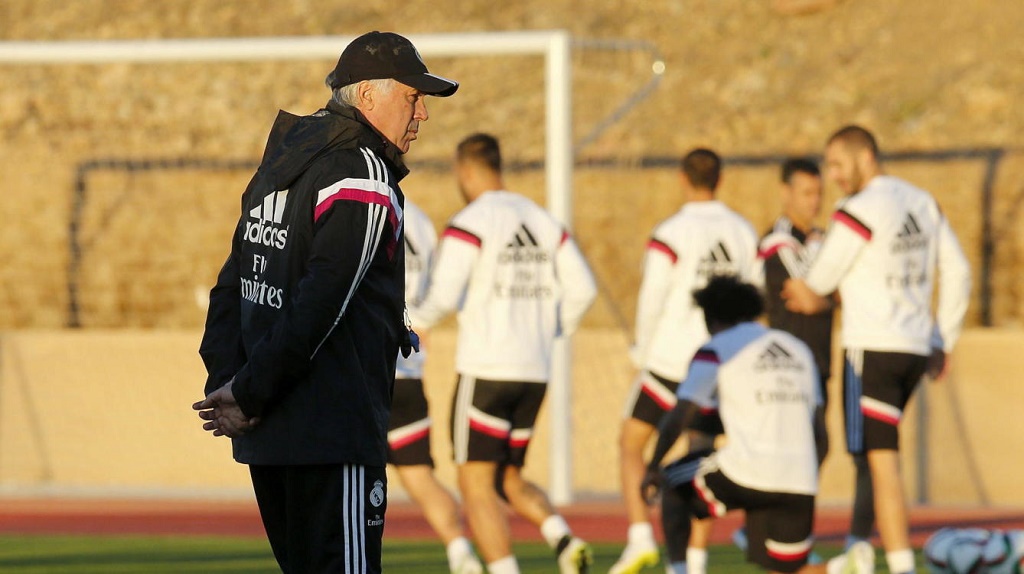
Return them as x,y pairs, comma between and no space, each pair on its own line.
24,554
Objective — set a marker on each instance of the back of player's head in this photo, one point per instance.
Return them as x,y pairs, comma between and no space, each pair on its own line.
855,138
480,148
726,300
799,165
702,168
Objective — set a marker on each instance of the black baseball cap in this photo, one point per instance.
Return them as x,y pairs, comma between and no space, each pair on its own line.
380,55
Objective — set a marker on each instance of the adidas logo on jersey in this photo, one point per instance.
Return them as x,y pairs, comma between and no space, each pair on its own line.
910,236
523,238
775,356
528,259
717,261
523,248
262,231
910,227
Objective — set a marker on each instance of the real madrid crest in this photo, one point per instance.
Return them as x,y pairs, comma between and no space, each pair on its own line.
377,493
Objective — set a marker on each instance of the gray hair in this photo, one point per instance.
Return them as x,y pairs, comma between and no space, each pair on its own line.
348,96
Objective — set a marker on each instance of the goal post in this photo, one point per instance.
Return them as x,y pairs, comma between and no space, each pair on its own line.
553,45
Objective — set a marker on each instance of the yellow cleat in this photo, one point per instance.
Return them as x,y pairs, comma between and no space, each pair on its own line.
574,557
633,560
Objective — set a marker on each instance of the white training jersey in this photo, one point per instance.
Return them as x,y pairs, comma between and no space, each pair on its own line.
420,243
516,278
703,239
765,385
885,249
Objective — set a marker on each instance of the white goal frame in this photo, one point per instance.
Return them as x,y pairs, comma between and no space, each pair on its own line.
553,45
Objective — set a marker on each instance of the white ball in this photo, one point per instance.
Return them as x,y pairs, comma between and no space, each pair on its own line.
1013,562
936,550
965,554
996,549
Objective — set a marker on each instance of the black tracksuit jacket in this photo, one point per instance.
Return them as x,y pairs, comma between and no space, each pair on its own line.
307,313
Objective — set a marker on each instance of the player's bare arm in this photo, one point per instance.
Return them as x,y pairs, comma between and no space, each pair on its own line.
672,424
801,299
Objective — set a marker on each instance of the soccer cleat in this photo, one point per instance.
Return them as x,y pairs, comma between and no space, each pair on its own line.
468,565
574,556
634,559
860,559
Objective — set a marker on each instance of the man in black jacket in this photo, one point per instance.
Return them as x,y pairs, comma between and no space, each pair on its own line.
306,319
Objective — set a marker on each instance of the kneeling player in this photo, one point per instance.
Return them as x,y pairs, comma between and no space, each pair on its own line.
765,385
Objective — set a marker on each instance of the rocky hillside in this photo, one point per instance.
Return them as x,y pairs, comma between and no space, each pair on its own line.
740,76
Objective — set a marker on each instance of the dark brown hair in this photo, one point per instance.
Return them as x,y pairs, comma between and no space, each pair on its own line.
481,148
702,167
856,137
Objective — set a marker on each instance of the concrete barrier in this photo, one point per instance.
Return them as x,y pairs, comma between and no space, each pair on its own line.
108,413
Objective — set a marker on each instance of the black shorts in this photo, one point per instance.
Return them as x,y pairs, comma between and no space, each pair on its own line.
409,425
778,524
652,395
876,388
493,420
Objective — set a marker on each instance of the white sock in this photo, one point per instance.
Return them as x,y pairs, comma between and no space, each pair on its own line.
835,565
851,540
696,560
676,568
553,529
900,561
640,534
506,565
458,549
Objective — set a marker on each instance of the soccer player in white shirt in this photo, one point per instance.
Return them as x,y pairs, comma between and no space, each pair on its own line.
765,385
518,281
703,239
888,247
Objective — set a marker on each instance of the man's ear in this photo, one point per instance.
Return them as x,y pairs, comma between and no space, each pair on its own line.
366,93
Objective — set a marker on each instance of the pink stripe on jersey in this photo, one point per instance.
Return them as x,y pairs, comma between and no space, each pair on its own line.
774,243
763,254
565,237
327,198
655,245
462,234
853,223
360,195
